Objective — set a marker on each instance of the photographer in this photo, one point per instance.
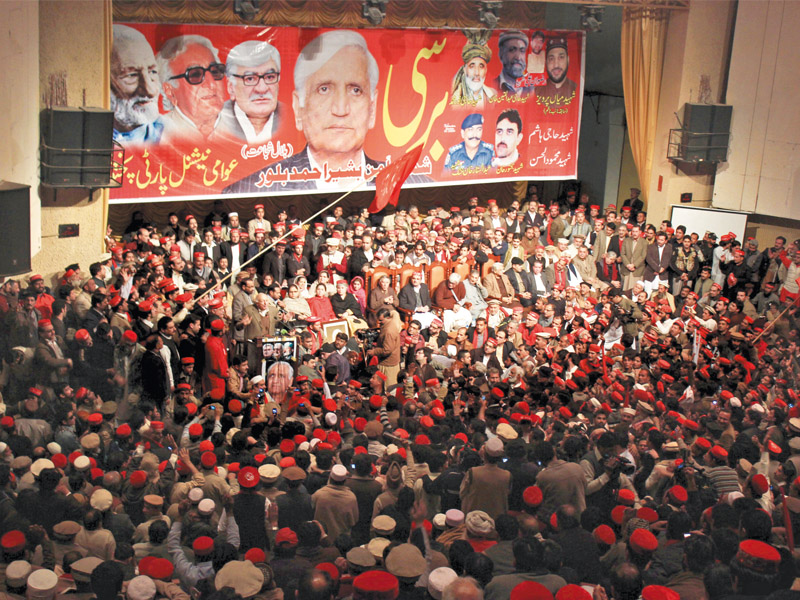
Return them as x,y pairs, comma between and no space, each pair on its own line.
387,349
626,311
603,470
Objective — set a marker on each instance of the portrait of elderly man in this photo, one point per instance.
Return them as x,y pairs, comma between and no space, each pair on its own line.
507,138
557,65
253,113
513,46
134,88
334,102
469,84
193,84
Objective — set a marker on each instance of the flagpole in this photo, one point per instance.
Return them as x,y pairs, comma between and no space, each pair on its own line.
287,234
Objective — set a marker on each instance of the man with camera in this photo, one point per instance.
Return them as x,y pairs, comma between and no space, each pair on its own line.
387,348
604,471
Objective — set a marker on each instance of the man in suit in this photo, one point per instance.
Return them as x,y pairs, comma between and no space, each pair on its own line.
253,112
234,250
334,124
258,321
521,282
241,301
209,247
657,262
416,298
634,253
274,263
499,286
49,359
541,284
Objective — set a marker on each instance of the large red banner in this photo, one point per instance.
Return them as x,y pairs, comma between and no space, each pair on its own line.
206,111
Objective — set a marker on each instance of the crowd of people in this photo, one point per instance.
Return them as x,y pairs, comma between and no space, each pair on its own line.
585,406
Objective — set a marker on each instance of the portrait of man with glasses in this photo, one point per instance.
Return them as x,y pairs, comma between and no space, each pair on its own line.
193,86
253,113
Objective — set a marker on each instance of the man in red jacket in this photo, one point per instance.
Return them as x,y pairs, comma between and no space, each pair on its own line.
215,374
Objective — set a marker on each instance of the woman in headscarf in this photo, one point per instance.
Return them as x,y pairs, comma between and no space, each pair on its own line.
357,289
296,306
469,83
320,304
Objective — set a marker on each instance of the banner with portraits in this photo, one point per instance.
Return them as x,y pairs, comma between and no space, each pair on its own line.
212,111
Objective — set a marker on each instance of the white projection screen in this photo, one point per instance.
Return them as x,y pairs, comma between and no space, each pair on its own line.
718,221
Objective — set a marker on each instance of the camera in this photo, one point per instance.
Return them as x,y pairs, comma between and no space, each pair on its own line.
368,337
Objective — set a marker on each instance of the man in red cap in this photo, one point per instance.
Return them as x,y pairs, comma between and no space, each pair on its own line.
215,374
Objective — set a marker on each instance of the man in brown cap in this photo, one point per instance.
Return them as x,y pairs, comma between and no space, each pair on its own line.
151,510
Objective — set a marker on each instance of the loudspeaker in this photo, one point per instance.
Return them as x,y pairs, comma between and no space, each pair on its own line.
706,132
62,130
15,215
98,134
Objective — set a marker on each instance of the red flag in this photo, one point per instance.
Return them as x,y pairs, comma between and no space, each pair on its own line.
390,180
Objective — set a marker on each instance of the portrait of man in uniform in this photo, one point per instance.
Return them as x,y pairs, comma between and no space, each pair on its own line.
472,152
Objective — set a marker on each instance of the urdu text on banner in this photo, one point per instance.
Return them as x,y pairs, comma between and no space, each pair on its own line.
206,111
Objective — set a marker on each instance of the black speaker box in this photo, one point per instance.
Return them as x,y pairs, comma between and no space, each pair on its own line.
706,132
62,130
98,134
15,215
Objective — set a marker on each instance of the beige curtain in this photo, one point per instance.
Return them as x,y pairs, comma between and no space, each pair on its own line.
644,33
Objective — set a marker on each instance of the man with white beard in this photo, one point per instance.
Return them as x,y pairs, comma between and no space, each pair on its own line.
134,88
469,83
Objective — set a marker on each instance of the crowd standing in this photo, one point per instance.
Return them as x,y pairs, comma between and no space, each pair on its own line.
584,405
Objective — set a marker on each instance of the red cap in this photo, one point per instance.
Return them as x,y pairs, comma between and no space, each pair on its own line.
603,534
255,555
235,406
286,537
573,592
678,494
719,452
626,497
642,541
375,401
130,336
203,546
248,477
287,447
376,585
659,592
7,422
532,496
157,425
759,484
773,447
12,542
59,460
757,555
618,514
208,460
138,479
530,590
648,514
703,444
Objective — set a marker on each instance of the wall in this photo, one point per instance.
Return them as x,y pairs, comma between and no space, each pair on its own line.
697,44
19,54
763,172
72,41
